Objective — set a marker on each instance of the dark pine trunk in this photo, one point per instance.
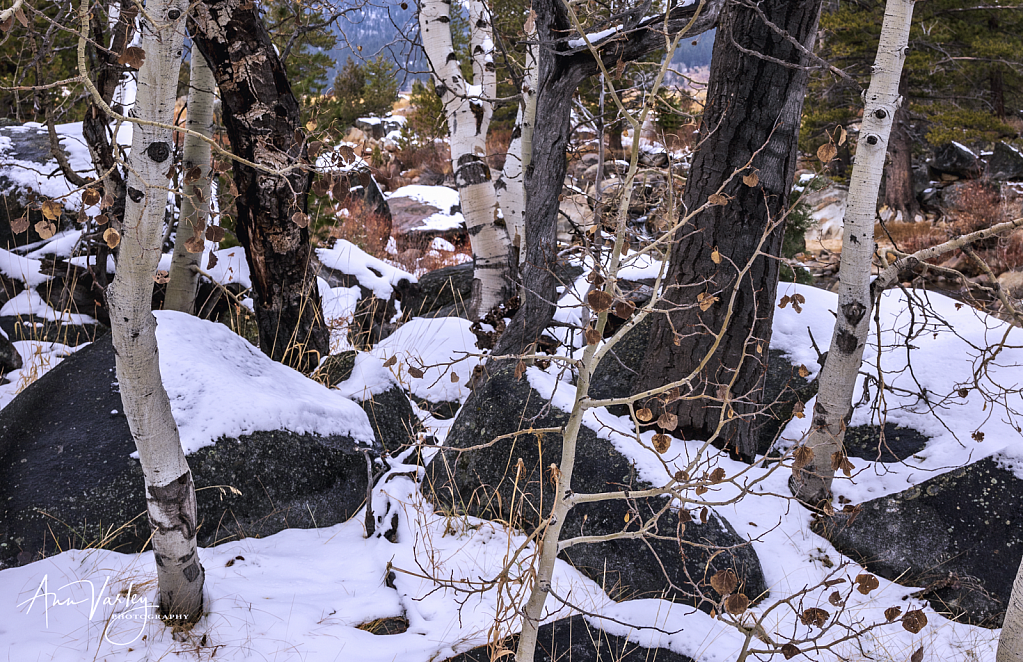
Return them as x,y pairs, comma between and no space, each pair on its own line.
261,115
898,174
753,103
561,72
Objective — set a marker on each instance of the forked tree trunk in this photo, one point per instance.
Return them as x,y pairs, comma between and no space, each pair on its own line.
262,118
468,107
511,186
754,104
1010,643
822,451
195,201
170,493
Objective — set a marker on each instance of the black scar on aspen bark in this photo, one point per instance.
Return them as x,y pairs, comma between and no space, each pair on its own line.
191,572
477,111
173,497
471,170
443,19
854,312
452,56
158,151
135,194
846,342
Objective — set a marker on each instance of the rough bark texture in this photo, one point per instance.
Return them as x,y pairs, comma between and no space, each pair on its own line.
898,176
170,494
195,201
261,115
469,109
815,466
1010,643
560,71
753,104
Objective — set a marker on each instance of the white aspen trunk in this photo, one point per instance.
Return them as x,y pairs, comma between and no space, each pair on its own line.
511,187
811,482
469,108
195,202
1010,643
170,493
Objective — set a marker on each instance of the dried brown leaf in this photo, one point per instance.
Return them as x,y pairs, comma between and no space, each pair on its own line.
814,617
212,262
865,583
803,371
789,651
46,229
112,237
827,152
717,475
802,457
300,219
215,233
645,415
914,621
836,599
20,225
391,361
52,210
892,613
724,581
194,244
193,175
736,604
667,421
662,442
90,197
133,56
751,180
415,372
718,199
624,309
591,335
599,300
715,256
918,655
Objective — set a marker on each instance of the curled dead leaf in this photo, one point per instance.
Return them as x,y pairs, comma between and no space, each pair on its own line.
624,309
212,262
314,149
827,152
715,256
662,443
391,361
46,229
193,244
215,233
914,621
300,219
20,225
789,651
724,581
865,583
718,199
892,613
667,421
706,300
591,335
102,219
52,210
836,599
814,617
90,197
415,372
717,476
803,371
751,180
918,655
133,56
644,415
520,369
736,604
802,457
193,175
112,237
599,300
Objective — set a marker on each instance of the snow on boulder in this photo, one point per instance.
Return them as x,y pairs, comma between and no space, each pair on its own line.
222,386
439,347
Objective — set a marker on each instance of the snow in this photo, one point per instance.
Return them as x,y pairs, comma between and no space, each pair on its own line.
439,347
441,197
24,269
28,305
372,273
595,37
220,385
37,357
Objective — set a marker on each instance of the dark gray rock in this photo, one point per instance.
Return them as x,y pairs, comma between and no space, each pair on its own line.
483,483
955,159
959,535
1005,163
395,424
66,478
44,330
440,293
575,640
9,357
336,368
864,442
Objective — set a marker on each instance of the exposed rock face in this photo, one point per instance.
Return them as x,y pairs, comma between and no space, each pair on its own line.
959,535
899,444
9,357
575,640
956,159
67,478
1005,164
483,483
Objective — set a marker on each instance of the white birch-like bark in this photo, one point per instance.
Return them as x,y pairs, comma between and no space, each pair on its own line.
195,201
511,187
170,493
1010,642
812,481
469,108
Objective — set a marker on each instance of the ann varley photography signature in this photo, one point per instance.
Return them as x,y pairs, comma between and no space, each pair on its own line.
127,606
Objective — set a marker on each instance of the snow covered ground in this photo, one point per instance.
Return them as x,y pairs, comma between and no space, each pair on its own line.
301,594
